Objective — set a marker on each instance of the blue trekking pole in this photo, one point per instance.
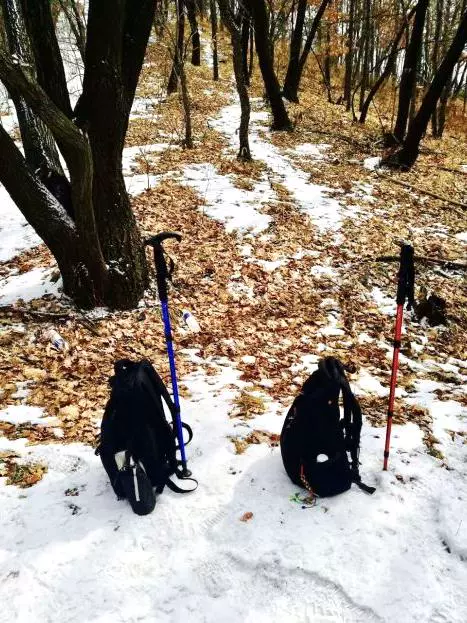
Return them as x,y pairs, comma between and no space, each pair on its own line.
163,274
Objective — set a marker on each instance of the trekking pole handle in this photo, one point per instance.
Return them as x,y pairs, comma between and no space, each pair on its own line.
162,271
406,277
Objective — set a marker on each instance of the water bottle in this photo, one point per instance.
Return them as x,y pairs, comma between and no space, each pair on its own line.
191,322
56,340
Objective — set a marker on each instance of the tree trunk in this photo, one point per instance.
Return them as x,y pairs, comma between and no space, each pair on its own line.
349,56
291,77
52,223
38,144
215,59
110,79
185,99
259,15
76,22
245,36
327,56
404,158
178,47
47,56
291,90
388,70
195,39
366,52
252,53
409,72
240,80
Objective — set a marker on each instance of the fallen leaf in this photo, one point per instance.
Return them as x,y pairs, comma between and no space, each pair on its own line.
246,516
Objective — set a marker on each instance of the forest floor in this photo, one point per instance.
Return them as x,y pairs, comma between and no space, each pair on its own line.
278,264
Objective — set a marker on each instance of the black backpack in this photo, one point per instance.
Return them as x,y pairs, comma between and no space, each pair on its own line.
314,439
137,445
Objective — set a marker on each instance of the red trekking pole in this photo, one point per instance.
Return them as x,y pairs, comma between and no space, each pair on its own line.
405,291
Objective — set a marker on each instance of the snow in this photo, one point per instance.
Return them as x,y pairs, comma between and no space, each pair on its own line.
27,286
399,555
22,414
311,149
16,234
325,212
353,557
235,207
372,163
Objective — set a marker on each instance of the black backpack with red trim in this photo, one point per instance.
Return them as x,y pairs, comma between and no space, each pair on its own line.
316,442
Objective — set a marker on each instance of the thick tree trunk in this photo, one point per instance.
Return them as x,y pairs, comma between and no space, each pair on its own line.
108,87
409,72
259,15
406,157
215,58
83,279
292,79
240,80
195,39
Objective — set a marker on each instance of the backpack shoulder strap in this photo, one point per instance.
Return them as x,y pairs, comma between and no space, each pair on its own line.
352,418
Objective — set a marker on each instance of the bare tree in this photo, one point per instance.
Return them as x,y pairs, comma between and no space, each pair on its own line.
99,251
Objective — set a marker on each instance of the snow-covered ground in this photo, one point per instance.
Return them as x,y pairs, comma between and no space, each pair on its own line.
69,551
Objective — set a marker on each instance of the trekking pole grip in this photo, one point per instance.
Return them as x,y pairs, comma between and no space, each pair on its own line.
162,270
406,277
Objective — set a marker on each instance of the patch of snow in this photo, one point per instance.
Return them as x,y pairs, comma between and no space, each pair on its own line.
235,207
54,549
462,236
386,304
249,359
312,149
323,271
30,285
16,234
372,163
22,414
369,384
325,212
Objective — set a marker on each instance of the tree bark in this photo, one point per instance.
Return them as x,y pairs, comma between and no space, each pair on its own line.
38,144
349,56
409,72
292,79
404,158
195,39
291,89
48,59
114,55
389,68
235,34
245,36
259,15
215,58
178,48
